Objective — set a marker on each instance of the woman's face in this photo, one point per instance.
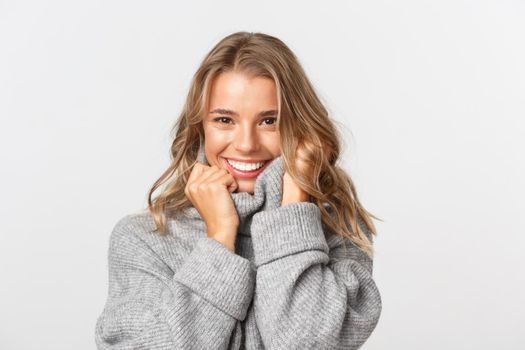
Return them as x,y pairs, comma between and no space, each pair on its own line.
241,126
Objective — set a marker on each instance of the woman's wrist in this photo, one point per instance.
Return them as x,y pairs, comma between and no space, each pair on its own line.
226,243
225,237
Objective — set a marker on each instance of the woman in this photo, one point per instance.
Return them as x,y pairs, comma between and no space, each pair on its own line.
257,239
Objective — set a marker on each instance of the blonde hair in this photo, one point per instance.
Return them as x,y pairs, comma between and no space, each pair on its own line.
303,123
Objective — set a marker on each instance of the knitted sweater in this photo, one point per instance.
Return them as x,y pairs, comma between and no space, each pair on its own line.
289,285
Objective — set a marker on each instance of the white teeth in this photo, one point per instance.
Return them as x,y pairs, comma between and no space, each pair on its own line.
245,166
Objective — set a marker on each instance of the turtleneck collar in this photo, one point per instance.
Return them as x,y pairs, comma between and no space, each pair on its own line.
267,195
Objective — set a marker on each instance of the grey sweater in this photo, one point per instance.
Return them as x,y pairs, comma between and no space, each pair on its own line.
289,285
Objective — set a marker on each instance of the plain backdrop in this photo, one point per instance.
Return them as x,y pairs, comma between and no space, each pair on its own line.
430,96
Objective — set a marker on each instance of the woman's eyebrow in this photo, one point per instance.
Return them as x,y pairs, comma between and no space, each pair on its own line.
230,112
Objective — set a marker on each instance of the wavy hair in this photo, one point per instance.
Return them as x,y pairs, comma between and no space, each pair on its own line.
305,127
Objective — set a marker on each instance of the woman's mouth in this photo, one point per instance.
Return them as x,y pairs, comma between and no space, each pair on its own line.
245,170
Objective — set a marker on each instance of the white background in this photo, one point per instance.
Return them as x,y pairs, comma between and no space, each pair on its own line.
432,97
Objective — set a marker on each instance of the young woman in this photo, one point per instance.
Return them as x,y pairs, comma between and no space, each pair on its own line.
257,239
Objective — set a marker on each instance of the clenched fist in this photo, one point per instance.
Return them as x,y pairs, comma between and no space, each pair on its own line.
208,188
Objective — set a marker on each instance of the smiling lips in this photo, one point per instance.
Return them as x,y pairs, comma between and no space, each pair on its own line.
245,166
245,170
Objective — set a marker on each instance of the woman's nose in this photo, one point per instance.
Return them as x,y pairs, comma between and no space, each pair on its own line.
247,141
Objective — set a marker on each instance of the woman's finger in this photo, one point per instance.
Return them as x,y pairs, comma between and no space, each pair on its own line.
209,172
196,172
223,177
213,176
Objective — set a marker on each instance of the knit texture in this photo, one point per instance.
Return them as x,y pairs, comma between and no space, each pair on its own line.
290,284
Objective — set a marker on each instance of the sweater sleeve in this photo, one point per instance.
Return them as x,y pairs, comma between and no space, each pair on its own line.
149,306
309,295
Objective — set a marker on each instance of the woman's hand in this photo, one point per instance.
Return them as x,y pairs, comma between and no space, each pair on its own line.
292,193
208,188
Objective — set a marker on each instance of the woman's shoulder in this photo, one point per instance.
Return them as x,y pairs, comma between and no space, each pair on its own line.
139,221
137,232
135,242
140,227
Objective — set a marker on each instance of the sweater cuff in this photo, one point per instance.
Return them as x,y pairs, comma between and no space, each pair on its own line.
220,276
287,230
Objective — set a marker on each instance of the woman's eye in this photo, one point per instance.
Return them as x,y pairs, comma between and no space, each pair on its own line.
272,119
227,120
220,119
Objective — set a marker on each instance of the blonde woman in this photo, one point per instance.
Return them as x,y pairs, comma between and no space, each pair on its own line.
256,239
